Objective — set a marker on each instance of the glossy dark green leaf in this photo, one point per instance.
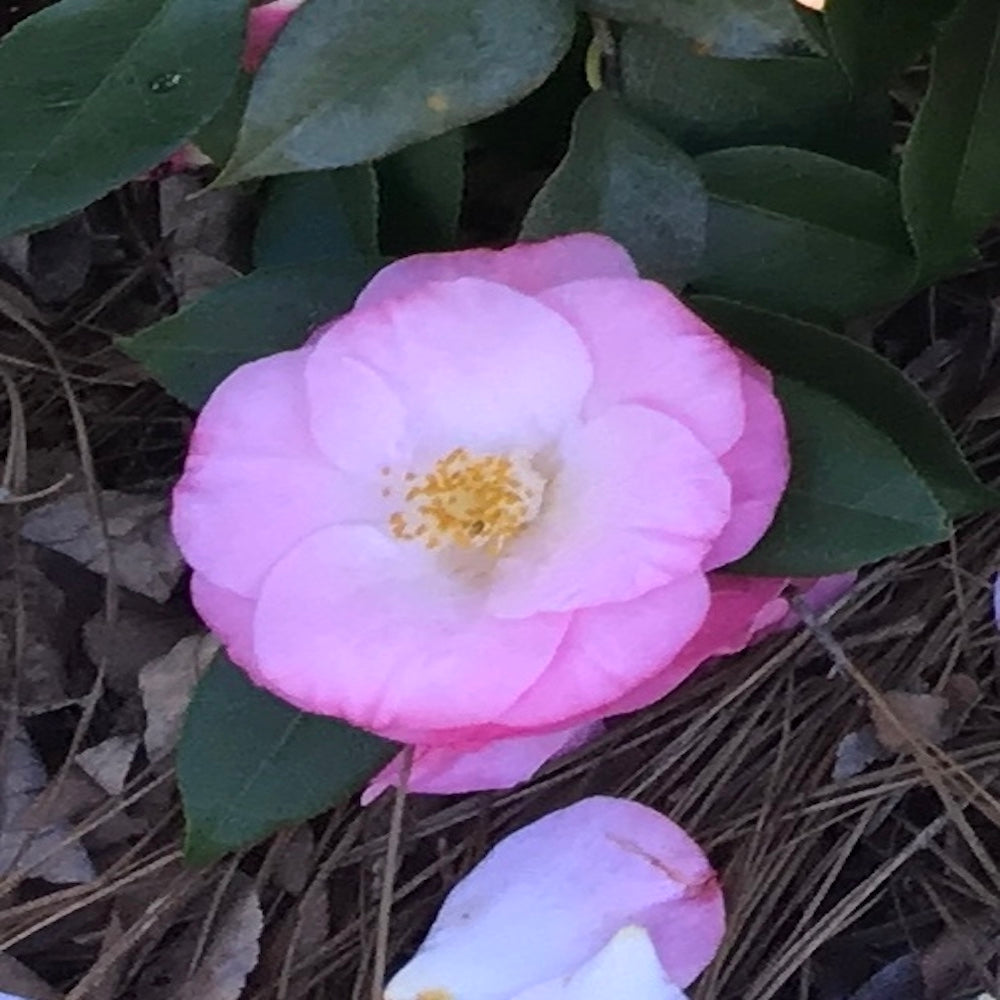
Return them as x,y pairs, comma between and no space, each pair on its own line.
97,91
853,496
951,161
622,178
217,137
352,80
420,195
867,383
249,764
799,233
737,29
875,39
323,215
267,311
705,103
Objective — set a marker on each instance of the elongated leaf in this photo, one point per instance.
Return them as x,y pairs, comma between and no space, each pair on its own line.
800,233
737,29
867,383
622,178
420,195
951,161
249,764
97,91
352,80
875,39
324,215
853,497
705,103
267,311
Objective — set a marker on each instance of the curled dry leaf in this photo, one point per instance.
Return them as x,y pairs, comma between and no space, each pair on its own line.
25,838
146,559
167,684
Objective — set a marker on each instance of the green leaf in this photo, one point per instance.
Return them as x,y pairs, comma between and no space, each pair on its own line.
705,103
876,39
352,80
624,179
800,233
875,389
951,162
217,137
853,497
267,311
737,29
420,195
324,215
97,91
249,764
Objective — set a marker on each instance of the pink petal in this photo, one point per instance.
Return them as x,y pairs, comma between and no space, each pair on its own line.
649,348
636,505
229,616
354,624
741,608
758,466
550,897
502,763
628,958
610,650
264,24
254,482
528,267
476,364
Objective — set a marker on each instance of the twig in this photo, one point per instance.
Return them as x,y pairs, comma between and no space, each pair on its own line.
389,877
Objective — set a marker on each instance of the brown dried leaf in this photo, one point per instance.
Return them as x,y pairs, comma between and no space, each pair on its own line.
134,639
203,226
108,762
919,715
855,752
167,684
26,839
19,981
146,559
41,676
231,953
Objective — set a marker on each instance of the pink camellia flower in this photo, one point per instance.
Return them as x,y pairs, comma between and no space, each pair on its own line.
743,610
606,898
485,502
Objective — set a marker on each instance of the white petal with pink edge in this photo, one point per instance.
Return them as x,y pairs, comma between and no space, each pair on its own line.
550,897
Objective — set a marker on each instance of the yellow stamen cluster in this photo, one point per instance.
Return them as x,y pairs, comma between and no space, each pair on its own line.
470,501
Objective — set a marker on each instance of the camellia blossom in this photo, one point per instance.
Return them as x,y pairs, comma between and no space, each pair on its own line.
743,610
606,898
486,501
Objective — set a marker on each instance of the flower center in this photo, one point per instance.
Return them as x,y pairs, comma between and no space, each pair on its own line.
470,501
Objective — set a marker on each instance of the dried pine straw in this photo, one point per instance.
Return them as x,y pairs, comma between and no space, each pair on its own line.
818,873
